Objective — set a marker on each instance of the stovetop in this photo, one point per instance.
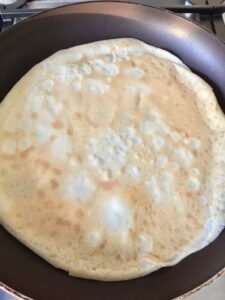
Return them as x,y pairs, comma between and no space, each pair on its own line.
208,13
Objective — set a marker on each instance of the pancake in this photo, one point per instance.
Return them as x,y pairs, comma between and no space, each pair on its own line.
111,160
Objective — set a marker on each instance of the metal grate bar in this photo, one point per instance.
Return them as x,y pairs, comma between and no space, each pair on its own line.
21,12
200,11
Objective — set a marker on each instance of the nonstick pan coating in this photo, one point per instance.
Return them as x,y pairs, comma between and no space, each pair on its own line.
34,39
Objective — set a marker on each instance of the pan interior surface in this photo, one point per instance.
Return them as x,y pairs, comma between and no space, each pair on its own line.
96,14
96,166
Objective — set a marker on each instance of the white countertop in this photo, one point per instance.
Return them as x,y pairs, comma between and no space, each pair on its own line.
215,291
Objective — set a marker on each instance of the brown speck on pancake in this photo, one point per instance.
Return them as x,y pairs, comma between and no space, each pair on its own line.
107,185
57,171
53,184
62,222
79,213
34,116
41,194
58,124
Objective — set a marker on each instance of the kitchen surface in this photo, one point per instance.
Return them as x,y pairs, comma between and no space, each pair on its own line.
215,291
212,20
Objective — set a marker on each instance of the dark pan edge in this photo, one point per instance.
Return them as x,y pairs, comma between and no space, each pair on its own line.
153,6
39,14
19,296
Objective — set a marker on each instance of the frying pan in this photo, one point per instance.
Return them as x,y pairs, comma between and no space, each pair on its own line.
29,42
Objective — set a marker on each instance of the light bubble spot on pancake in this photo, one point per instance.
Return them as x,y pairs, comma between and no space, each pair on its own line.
35,102
193,142
145,264
61,147
8,147
53,105
202,200
116,215
184,157
97,51
135,73
208,211
108,152
166,180
175,166
195,171
96,87
115,150
153,189
77,56
48,85
79,188
153,124
94,238
209,225
65,74
85,69
135,51
132,172
24,144
26,124
162,161
161,188
145,243
10,126
104,69
129,133
175,136
121,53
194,183
76,86
137,140
158,142
138,89
43,133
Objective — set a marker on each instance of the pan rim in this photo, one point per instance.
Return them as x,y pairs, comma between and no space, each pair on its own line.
99,2
220,273
205,284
